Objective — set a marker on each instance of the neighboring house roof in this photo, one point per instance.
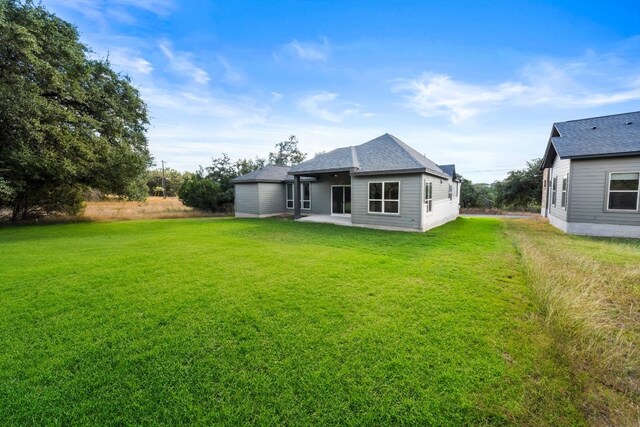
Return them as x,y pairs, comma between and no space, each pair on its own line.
269,173
607,136
384,154
449,170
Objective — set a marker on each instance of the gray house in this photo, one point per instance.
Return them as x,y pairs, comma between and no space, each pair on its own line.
592,176
382,183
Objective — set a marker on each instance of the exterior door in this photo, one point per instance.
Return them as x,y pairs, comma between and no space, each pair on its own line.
341,199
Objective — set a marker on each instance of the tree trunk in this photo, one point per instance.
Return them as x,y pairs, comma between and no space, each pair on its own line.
14,214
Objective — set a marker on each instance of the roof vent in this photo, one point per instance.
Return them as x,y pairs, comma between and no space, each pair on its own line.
595,127
628,123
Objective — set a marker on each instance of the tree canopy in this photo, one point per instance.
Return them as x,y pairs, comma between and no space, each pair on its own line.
287,153
67,121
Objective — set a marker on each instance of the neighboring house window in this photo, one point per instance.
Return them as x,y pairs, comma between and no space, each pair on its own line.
623,191
428,195
289,196
563,197
450,191
384,197
554,191
305,189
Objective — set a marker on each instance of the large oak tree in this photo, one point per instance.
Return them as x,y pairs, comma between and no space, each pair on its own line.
67,120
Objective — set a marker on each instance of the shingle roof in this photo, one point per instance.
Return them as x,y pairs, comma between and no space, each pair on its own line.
608,136
384,154
449,170
269,173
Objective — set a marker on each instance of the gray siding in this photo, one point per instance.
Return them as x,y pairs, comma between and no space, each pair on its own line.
246,199
440,187
271,198
560,169
411,192
588,195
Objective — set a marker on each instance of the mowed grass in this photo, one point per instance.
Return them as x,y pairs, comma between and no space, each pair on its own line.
271,322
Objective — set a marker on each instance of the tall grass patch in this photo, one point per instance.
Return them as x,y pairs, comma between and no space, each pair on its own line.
588,290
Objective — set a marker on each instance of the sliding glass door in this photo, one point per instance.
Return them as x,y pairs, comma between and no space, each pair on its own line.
341,199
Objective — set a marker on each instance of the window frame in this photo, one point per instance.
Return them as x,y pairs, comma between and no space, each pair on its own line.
286,195
564,192
428,196
383,200
450,191
554,191
304,193
293,195
607,208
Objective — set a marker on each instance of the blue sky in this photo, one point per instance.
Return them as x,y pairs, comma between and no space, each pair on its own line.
473,83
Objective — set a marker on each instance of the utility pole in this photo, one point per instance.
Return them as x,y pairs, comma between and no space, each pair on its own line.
164,183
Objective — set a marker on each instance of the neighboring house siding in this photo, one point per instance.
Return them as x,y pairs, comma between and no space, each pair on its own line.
589,185
560,169
246,199
271,198
411,201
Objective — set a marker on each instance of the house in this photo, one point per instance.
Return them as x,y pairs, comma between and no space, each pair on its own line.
591,176
382,183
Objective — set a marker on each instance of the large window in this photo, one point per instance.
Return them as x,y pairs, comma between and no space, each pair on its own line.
289,196
554,191
384,197
305,190
623,191
563,196
428,195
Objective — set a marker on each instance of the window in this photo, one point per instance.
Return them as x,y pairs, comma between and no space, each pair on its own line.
456,187
554,190
428,195
450,191
623,191
305,190
563,197
384,197
289,196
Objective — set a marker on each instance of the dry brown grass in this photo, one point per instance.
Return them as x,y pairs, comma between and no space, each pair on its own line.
152,208
588,290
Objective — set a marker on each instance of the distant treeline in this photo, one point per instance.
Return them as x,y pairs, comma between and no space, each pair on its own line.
520,190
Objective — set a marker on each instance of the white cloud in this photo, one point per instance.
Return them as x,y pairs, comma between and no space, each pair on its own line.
316,105
105,11
231,75
591,81
130,62
182,63
309,51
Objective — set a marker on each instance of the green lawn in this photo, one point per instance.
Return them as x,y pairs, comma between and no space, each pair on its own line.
270,322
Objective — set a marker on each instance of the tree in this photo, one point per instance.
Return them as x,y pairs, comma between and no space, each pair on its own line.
67,122
199,192
288,153
522,188
173,180
219,196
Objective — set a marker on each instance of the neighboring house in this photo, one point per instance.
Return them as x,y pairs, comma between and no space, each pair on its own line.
592,176
382,183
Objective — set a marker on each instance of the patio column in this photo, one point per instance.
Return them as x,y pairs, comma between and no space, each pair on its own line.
296,197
